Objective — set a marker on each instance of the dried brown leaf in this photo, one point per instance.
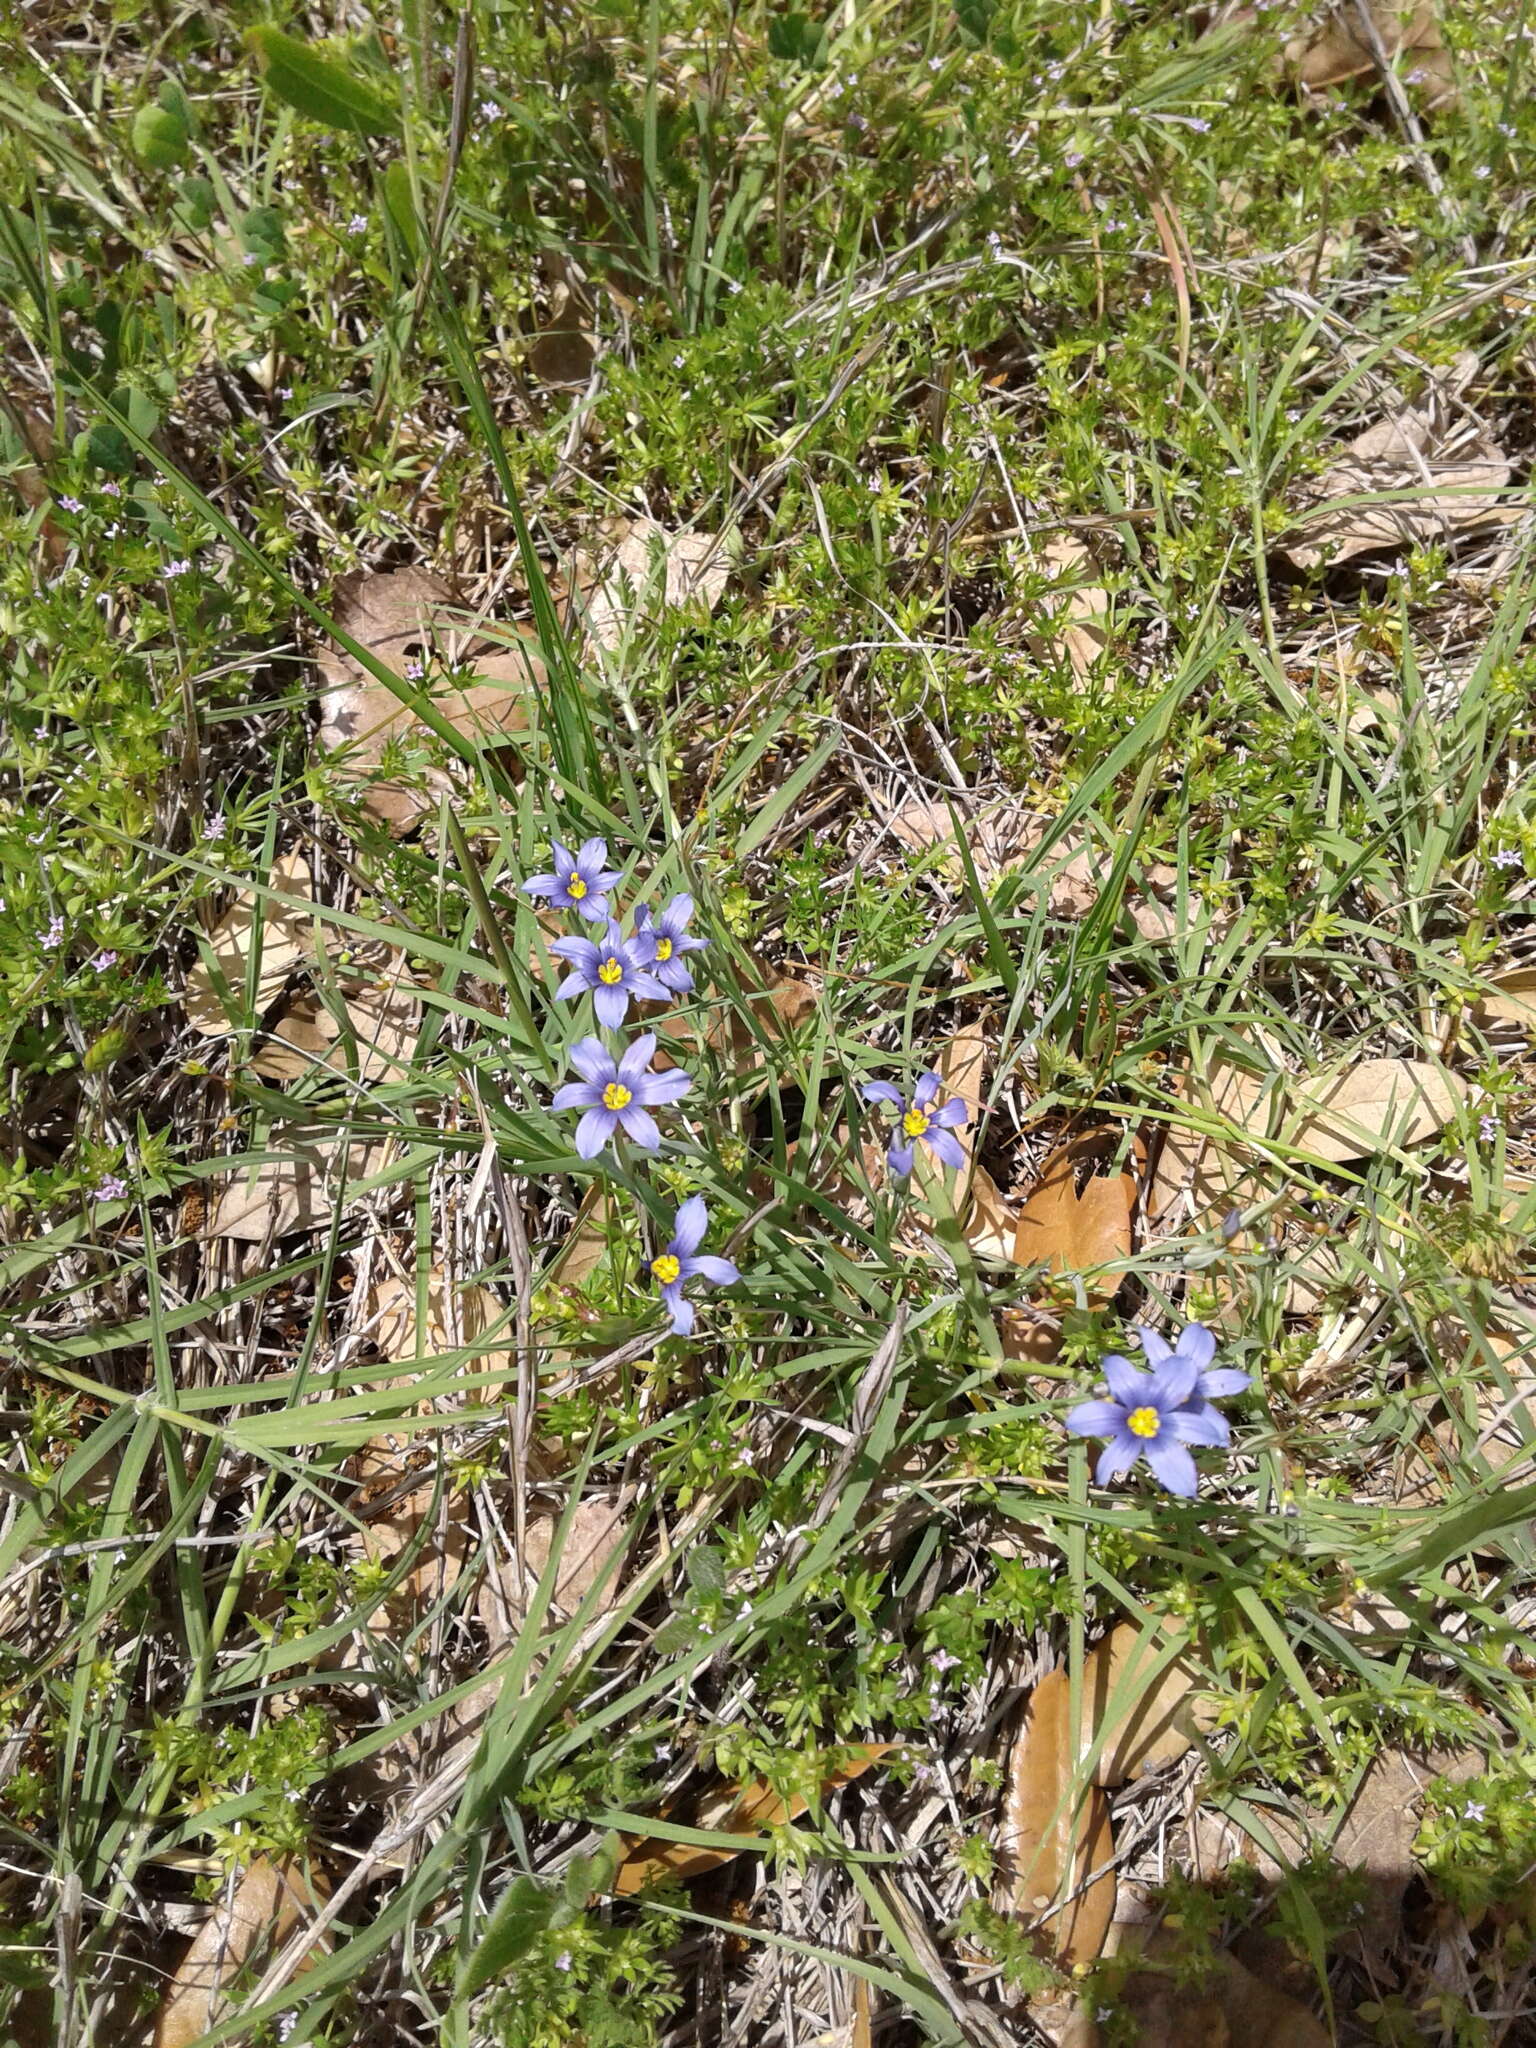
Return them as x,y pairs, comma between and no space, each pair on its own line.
1339,48
266,1905
1215,1174
1452,471
1072,1231
1050,1841
599,1532
1379,1103
298,1191
386,1023
1155,1720
650,571
565,350
1079,615
404,616
286,939
1225,2008
745,1810
1511,998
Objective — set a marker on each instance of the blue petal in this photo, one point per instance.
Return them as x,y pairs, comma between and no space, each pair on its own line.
1129,1385
899,1159
1174,1381
611,1004
1173,1467
688,1231
1200,1426
577,1095
574,984
1117,1457
681,1308
1094,1418
881,1091
592,1060
1157,1349
636,1058
718,1272
926,1089
641,1128
944,1145
541,885
594,1131
668,1087
1223,1381
1198,1343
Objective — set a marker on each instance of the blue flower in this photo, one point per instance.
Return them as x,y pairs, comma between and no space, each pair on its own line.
1196,1342
581,881
682,1260
920,1121
617,1093
668,938
614,971
1159,1414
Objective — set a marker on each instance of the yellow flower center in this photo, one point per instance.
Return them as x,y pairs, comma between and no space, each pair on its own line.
611,971
666,1268
1144,1422
663,949
576,888
914,1123
617,1096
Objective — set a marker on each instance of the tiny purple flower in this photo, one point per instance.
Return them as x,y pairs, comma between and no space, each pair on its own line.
682,1259
358,224
614,971
103,960
667,937
414,671
213,826
53,938
110,1188
1475,1810
943,1660
68,504
1509,857
489,111
1488,1128
920,1120
111,490
581,881
179,567
617,1093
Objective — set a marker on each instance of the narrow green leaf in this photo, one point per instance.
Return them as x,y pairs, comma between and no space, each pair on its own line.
519,1919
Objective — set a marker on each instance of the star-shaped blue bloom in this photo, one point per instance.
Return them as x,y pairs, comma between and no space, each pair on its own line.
920,1122
614,971
580,882
1159,1414
669,939
617,1093
682,1260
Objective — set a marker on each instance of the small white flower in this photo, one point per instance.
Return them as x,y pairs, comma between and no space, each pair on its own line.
1476,1810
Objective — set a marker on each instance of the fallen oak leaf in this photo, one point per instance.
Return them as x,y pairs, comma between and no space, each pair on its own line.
1156,1718
1230,2005
1341,48
256,1915
1079,1231
1051,1837
297,1190
384,1026
1442,476
1374,1105
402,616
745,1810
651,571
282,937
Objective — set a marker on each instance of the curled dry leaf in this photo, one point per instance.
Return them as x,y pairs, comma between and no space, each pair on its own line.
1198,1177
1510,998
1080,614
1227,2006
1379,1103
599,1532
285,939
1072,1229
1154,1719
1340,47
385,1024
1052,1838
650,571
299,1190
564,351
745,1810
1450,469
404,616
266,1904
